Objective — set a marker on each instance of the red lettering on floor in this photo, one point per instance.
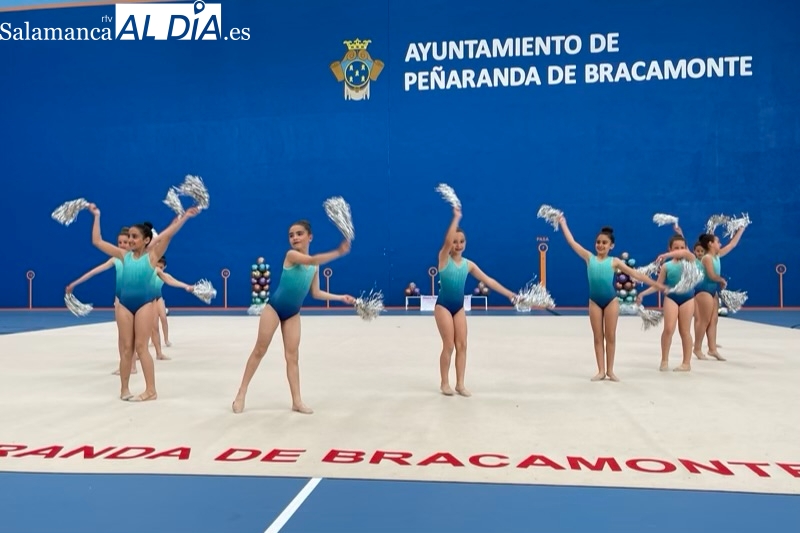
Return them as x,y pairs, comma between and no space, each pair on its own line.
343,456
666,467
753,467
282,456
441,458
87,451
396,457
181,454
539,460
575,463
792,468
48,453
716,466
228,454
6,448
125,453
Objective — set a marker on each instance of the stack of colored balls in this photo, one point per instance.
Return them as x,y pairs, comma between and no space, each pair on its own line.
481,290
412,289
625,286
259,281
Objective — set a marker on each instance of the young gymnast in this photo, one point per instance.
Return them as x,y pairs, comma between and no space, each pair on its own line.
161,312
299,276
707,293
137,295
603,304
122,243
678,307
451,319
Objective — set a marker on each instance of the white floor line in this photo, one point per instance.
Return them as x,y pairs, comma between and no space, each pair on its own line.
293,506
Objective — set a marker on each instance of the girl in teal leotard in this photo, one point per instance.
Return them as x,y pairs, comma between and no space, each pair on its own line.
160,280
707,293
122,243
678,307
137,295
300,275
451,319
603,304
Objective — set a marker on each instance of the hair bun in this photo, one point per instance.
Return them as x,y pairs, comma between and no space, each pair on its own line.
148,225
607,229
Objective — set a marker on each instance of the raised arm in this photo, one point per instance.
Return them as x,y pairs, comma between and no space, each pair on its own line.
493,284
733,243
449,237
92,273
662,277
638,276
293,257
319,294
172,282
580,250
97,237
680,254
158,247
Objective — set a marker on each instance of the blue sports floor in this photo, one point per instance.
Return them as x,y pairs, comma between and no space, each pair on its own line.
153,503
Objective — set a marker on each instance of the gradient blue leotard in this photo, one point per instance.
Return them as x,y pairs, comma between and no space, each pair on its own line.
601,281
118,269
292,289
453,277
159,284
708,285
674,272
137,287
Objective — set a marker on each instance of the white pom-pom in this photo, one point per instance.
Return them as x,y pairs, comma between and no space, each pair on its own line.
174,202
67,212
75,306
371,306
339,212
733,300
204,290
714,221
665,220
691,276
650,270
550,214
533,295
194,187
449,195
256,309
733,225
650,319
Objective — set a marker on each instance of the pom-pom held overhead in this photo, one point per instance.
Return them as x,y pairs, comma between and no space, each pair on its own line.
533,295
715,221
204,290
733,225
194,187
339,212
665,220
550,214
733,300
691,276
449,195
174,202
75,306
371,306
67,212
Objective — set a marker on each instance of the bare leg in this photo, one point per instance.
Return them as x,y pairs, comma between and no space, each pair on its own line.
143,329
670,323
713,348
444,322
290,329
162,316
156,336
610,318
460,330
126,335
267,325
685,314
704,303
596,320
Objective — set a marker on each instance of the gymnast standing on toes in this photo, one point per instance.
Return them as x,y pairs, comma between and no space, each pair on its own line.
603,304
706,294
137,295
122,244
300,274
678,307
161,312
451,319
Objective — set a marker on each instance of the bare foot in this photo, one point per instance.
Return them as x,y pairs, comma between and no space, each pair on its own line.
463,391
682,368
446,390
699,354
717,356
612,376
600,376
116,372
664,366
163,357
167,344
144,397
125,395
238,405
302,408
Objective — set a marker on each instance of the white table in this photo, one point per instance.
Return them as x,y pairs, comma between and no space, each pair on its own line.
427,302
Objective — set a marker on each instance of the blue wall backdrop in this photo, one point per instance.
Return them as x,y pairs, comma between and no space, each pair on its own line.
266,124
